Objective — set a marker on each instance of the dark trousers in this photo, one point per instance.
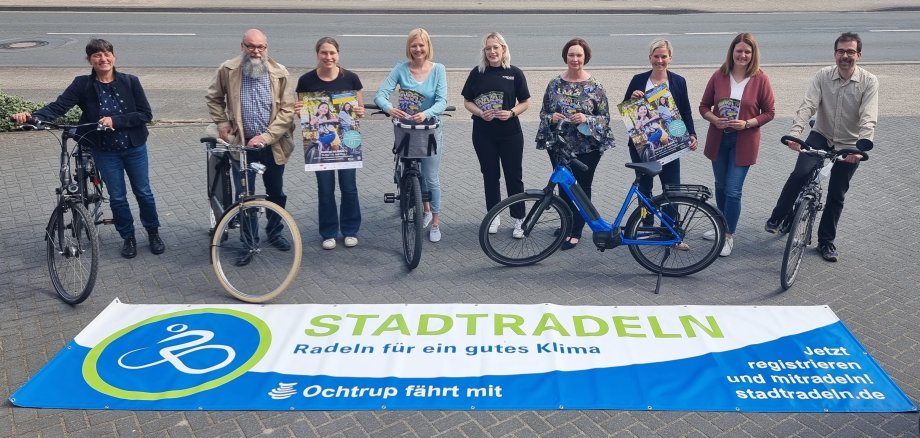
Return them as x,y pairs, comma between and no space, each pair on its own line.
584,179
273,178
497,155
837,188
670,174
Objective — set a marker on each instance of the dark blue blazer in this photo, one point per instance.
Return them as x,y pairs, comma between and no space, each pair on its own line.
677,85
82,93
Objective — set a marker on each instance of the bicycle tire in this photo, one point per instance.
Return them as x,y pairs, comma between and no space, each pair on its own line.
268,270
694,218
544,230
796,242
412,213
72,244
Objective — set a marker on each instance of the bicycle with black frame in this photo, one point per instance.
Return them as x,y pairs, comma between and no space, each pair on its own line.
251,268
800,223
412,142
72,243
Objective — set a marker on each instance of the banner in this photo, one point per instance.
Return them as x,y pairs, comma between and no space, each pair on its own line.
464,356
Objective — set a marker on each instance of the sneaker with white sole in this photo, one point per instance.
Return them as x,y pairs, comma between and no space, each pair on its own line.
709,235
427,220
727,249
351,241
435,234
329,244
518,232
493,227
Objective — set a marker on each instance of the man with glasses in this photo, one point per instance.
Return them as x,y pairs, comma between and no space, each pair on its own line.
843,98
252,102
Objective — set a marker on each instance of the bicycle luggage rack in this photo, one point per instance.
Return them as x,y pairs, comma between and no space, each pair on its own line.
700,192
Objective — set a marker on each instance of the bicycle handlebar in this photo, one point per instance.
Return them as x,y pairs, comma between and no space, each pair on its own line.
35,123
833,153
373,106
213,142
566,157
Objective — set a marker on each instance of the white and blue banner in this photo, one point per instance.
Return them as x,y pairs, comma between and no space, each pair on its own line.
464,356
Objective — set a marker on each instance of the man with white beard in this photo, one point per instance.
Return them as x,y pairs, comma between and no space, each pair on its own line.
252,102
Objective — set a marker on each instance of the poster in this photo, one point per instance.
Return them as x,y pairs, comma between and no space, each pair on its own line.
655,126
331,135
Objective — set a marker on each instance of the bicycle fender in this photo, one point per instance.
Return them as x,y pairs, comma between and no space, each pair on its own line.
237,204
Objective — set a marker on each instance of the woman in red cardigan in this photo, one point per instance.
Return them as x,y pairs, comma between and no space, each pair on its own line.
733,141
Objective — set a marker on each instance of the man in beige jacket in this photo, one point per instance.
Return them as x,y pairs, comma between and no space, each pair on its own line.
252,102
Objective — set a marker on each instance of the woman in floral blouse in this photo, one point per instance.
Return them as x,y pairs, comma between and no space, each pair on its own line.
578,98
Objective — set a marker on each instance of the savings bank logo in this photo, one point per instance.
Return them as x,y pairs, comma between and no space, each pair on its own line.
177,354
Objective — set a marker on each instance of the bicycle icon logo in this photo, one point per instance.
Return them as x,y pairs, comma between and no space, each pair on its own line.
177,354
173,354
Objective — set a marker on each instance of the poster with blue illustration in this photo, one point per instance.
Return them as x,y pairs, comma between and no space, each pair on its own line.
331,135
655,126
464,357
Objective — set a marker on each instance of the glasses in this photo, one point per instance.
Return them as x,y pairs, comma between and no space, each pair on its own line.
255,47
841,52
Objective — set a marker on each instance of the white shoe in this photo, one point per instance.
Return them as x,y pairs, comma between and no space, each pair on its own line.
329,244
709,235
493,227
427,220
351,241
435,234
727,249
518,232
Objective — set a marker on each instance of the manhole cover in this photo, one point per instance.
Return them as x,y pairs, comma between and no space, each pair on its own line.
24,44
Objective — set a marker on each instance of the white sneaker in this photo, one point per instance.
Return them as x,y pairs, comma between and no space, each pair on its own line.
727,249
518,232
709,235
329,244
427,220
351,241
435,234
493,227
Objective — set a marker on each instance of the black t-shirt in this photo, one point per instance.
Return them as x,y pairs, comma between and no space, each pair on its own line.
347,81
511,82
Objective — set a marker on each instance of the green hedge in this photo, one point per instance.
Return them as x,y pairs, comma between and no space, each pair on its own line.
10,104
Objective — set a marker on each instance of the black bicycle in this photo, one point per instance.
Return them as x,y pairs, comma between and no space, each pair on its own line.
412,142
72,243
800,223
253,269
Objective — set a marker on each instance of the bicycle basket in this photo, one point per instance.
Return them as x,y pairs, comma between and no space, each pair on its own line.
415,141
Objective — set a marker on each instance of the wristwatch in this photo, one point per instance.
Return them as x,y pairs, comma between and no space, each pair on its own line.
745,124
513,114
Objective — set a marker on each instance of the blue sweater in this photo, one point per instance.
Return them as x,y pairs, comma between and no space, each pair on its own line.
434,89
82,93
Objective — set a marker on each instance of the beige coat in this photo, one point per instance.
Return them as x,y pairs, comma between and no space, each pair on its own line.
224,105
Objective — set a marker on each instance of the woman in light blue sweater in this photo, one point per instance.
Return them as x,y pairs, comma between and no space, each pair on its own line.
429,81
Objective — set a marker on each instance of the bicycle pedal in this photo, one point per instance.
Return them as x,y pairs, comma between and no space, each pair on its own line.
107,221
389,198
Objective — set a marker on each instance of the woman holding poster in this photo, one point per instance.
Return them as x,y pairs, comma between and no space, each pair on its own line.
732,143
581,101
329,76
423,95
496,93
660,54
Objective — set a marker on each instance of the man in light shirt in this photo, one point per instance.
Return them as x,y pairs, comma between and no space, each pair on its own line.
843,98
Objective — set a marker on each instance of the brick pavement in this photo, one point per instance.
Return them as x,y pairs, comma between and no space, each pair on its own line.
872,288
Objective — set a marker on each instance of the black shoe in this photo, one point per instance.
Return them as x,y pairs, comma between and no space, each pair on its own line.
280,242
771,227
828,251
129,249
244,257
156,243
567,245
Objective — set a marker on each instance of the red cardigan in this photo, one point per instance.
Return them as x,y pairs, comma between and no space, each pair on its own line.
756,102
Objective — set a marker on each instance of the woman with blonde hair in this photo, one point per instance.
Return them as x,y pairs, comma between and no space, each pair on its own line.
496,93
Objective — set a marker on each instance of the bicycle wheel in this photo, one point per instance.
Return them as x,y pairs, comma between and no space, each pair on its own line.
796,242
693,219
410,201
73,252
251,267
545,227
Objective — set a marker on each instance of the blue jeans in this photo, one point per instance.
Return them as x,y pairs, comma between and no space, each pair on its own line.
329,220
112,166
729,181
431,179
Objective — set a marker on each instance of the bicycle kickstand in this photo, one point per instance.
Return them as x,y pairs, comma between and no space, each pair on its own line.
667,253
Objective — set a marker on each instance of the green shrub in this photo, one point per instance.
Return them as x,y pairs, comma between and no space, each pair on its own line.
10,104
